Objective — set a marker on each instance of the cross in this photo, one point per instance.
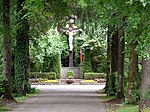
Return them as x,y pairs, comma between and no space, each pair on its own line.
71,30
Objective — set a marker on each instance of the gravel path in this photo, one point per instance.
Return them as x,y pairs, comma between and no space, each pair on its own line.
64,98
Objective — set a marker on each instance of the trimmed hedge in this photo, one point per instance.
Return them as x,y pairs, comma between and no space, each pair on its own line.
56,65
94,75
70,74
43,75
87,65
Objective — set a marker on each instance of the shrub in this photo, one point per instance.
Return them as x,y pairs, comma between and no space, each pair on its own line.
70,74
87,66
94,75
55,65
43,75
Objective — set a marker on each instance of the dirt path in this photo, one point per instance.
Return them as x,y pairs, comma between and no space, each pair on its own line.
65,99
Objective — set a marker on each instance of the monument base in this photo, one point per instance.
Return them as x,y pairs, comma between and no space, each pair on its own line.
77,72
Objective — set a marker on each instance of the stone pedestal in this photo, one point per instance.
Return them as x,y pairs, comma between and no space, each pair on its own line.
77,72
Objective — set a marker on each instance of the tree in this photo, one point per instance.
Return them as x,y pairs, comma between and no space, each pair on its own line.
21,85
113,61
108,61
137,25
121,48
7,51
144,102
133,75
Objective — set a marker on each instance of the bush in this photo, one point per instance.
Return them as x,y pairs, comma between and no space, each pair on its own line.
70,74
1,85
87,66
43,75
94,75
55,65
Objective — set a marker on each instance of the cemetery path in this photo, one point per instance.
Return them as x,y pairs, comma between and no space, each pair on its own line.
64,98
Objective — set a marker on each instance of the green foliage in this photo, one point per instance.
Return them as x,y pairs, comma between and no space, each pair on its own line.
21,85
55,65
32,92
87,66
1,85
94,45
127,108
147,94
4,108
94,75
43,75
70,74
48,45
45,52
112,87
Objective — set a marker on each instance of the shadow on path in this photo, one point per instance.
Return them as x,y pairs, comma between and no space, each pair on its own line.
76,98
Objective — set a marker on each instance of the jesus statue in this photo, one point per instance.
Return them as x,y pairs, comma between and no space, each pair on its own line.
71,30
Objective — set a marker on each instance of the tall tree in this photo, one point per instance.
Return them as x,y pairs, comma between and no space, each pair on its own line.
145,102
133,76
21,85
7,65
113,61
121,48
108,60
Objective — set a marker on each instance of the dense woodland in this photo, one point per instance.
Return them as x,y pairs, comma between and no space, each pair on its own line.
115,41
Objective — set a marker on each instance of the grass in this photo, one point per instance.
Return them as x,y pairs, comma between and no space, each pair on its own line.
106,98
23,98
127,108
20,99
4,108
147,110
119,107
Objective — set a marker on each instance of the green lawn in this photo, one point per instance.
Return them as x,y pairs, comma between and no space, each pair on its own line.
4,108
23,98
119,107
127,108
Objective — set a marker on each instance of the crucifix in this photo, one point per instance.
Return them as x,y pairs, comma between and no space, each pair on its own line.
71,30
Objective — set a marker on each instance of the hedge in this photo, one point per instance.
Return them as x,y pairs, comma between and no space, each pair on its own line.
56,65
43,75
70,74
87,66
94,75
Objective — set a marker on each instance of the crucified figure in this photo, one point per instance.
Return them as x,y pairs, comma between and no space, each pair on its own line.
71,30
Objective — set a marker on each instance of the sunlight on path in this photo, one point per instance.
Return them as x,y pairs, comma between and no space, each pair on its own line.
86,88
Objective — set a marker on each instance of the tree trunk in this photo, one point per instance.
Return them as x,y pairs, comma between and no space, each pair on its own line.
144,102
108,61
121,47
7,50
21,85
113,61
133,76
